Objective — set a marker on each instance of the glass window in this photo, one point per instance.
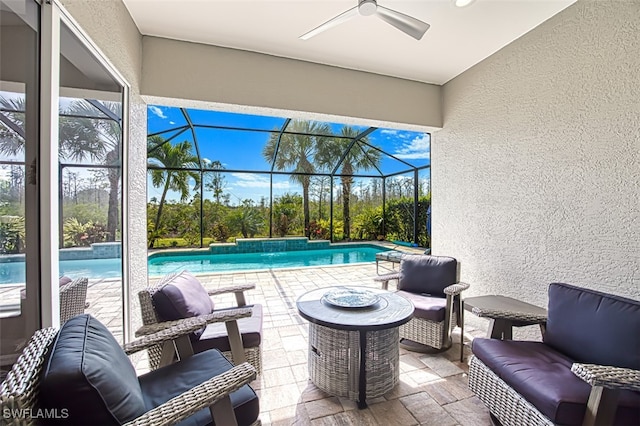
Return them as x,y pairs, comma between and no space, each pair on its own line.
19,117
90,177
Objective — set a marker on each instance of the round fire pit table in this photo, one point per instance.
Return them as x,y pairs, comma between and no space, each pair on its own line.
353,339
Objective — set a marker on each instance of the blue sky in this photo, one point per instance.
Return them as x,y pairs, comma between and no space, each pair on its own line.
242,150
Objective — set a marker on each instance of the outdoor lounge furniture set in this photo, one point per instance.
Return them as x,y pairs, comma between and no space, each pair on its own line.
586,371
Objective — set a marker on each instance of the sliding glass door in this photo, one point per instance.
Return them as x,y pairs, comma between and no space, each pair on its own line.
62,121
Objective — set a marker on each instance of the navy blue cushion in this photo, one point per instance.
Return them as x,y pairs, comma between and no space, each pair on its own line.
182,297
215,335
167,382
429,308
543,377
90,375
594,327
427,274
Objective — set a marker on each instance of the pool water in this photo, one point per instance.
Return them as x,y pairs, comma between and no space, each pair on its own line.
202,263
159,265
14,272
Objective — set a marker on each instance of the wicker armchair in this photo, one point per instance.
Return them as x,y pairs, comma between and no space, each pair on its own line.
431,283
73,299
247,348
23,392
586,371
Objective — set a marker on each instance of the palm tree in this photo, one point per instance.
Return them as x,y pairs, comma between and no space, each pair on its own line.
12,142
296,153
82,136
247,219
359,157
171,158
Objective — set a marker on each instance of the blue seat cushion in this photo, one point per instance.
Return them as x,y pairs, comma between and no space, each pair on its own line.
88,373
182,297
543,377
593,327
429,308
161,385
422,273
215,335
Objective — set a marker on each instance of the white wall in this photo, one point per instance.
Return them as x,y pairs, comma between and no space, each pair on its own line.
536,174
192,71
110,27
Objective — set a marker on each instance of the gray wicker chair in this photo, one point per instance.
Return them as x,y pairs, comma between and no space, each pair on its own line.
237,351
20,392
73,299
431,283
586,371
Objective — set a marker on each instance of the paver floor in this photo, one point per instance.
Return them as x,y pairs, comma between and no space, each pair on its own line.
432,389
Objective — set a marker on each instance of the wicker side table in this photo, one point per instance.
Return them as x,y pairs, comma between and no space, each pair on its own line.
354,353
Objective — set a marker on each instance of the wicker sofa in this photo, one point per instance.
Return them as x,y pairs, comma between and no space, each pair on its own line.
586,371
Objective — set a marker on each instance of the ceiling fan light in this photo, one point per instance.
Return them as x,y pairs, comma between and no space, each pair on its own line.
367,7
462,3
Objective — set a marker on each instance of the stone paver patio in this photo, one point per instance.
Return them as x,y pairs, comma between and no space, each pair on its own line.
432,390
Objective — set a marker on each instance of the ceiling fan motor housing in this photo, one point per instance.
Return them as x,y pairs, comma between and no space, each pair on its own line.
367,7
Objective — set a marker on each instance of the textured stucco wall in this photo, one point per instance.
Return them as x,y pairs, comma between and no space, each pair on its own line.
110,27
536,172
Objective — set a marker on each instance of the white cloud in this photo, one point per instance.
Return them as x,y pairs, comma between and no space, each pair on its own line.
389,132
250,180
416,149
172,122
157,111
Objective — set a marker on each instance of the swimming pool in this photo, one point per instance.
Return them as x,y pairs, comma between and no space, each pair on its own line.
198,262
203,263
13,272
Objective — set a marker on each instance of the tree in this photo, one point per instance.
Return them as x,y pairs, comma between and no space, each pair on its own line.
214,180
359,157
12,139
296,152
247,219
319,186
84,136
171,158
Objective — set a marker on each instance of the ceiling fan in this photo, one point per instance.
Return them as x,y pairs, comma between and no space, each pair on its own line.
405,23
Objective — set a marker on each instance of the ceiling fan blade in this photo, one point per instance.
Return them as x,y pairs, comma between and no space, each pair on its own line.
344,16
405,23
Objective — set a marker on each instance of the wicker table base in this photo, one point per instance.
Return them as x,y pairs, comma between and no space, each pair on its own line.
335,360
353,350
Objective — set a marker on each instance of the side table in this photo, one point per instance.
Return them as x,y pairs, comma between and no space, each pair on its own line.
505,313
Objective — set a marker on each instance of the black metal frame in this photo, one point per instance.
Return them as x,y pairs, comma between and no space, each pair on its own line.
190,126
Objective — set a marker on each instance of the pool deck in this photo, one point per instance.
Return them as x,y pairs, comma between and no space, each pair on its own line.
432,390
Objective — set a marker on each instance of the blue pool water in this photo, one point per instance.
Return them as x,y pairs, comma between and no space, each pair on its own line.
13,272
201,263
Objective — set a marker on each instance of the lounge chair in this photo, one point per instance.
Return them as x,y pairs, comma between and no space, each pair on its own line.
181,295
80,376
